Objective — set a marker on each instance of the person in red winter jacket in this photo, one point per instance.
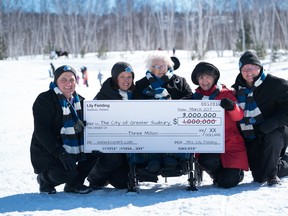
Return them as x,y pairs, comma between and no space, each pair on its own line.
84,72
226,169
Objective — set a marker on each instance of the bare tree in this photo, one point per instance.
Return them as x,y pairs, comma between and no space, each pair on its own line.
282,18
242,24
91,25
130,32
204,26
160,26
189,26
144,28
169,23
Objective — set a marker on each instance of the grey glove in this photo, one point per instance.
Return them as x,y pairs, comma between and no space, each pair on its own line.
68,161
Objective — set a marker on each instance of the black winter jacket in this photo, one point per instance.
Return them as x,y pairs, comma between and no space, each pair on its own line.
46,143
177,87
111,167
107,92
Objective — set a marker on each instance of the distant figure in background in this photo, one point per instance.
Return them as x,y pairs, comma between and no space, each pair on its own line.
62,53
100,76
77,79
84,75
53,55
174,51
51,70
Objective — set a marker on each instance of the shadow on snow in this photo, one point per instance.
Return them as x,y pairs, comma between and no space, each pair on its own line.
110,198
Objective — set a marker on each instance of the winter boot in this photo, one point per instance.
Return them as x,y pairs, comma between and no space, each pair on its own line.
44,186
79,189
273,181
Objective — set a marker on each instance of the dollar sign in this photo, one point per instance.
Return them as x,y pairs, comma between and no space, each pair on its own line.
175,121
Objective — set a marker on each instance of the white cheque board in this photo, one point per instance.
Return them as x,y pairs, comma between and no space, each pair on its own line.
154,126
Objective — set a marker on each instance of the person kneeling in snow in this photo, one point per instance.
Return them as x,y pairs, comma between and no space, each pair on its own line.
226,169
264,98
57,144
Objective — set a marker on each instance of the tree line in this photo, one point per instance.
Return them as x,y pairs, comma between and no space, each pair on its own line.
86,26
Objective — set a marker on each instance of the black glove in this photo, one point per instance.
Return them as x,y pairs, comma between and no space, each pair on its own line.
79,126
268,126
227,104
68,161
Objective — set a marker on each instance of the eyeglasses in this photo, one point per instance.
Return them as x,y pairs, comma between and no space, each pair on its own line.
160,66
250,68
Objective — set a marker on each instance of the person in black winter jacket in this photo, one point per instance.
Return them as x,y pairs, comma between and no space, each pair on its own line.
161,83
264,99
113,168
56,149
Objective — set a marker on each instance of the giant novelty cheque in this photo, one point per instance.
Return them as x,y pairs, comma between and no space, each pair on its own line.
156,126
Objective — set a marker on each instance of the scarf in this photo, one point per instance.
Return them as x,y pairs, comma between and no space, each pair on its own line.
71,132
200,94
252,114
155,88
126,95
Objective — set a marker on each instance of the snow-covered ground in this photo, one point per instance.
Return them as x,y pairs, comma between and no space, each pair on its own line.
20,83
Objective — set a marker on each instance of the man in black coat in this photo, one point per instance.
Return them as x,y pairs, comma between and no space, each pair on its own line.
56,150
264,99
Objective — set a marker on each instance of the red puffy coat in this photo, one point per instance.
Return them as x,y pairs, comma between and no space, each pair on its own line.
235,155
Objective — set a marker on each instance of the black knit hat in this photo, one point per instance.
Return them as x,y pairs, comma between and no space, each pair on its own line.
176,62
249,58
83,68
120,67
62,69
204,68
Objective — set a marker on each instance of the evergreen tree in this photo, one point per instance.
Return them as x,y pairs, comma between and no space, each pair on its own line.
3,49
248,40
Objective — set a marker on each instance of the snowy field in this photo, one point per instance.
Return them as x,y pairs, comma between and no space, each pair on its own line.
20,83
